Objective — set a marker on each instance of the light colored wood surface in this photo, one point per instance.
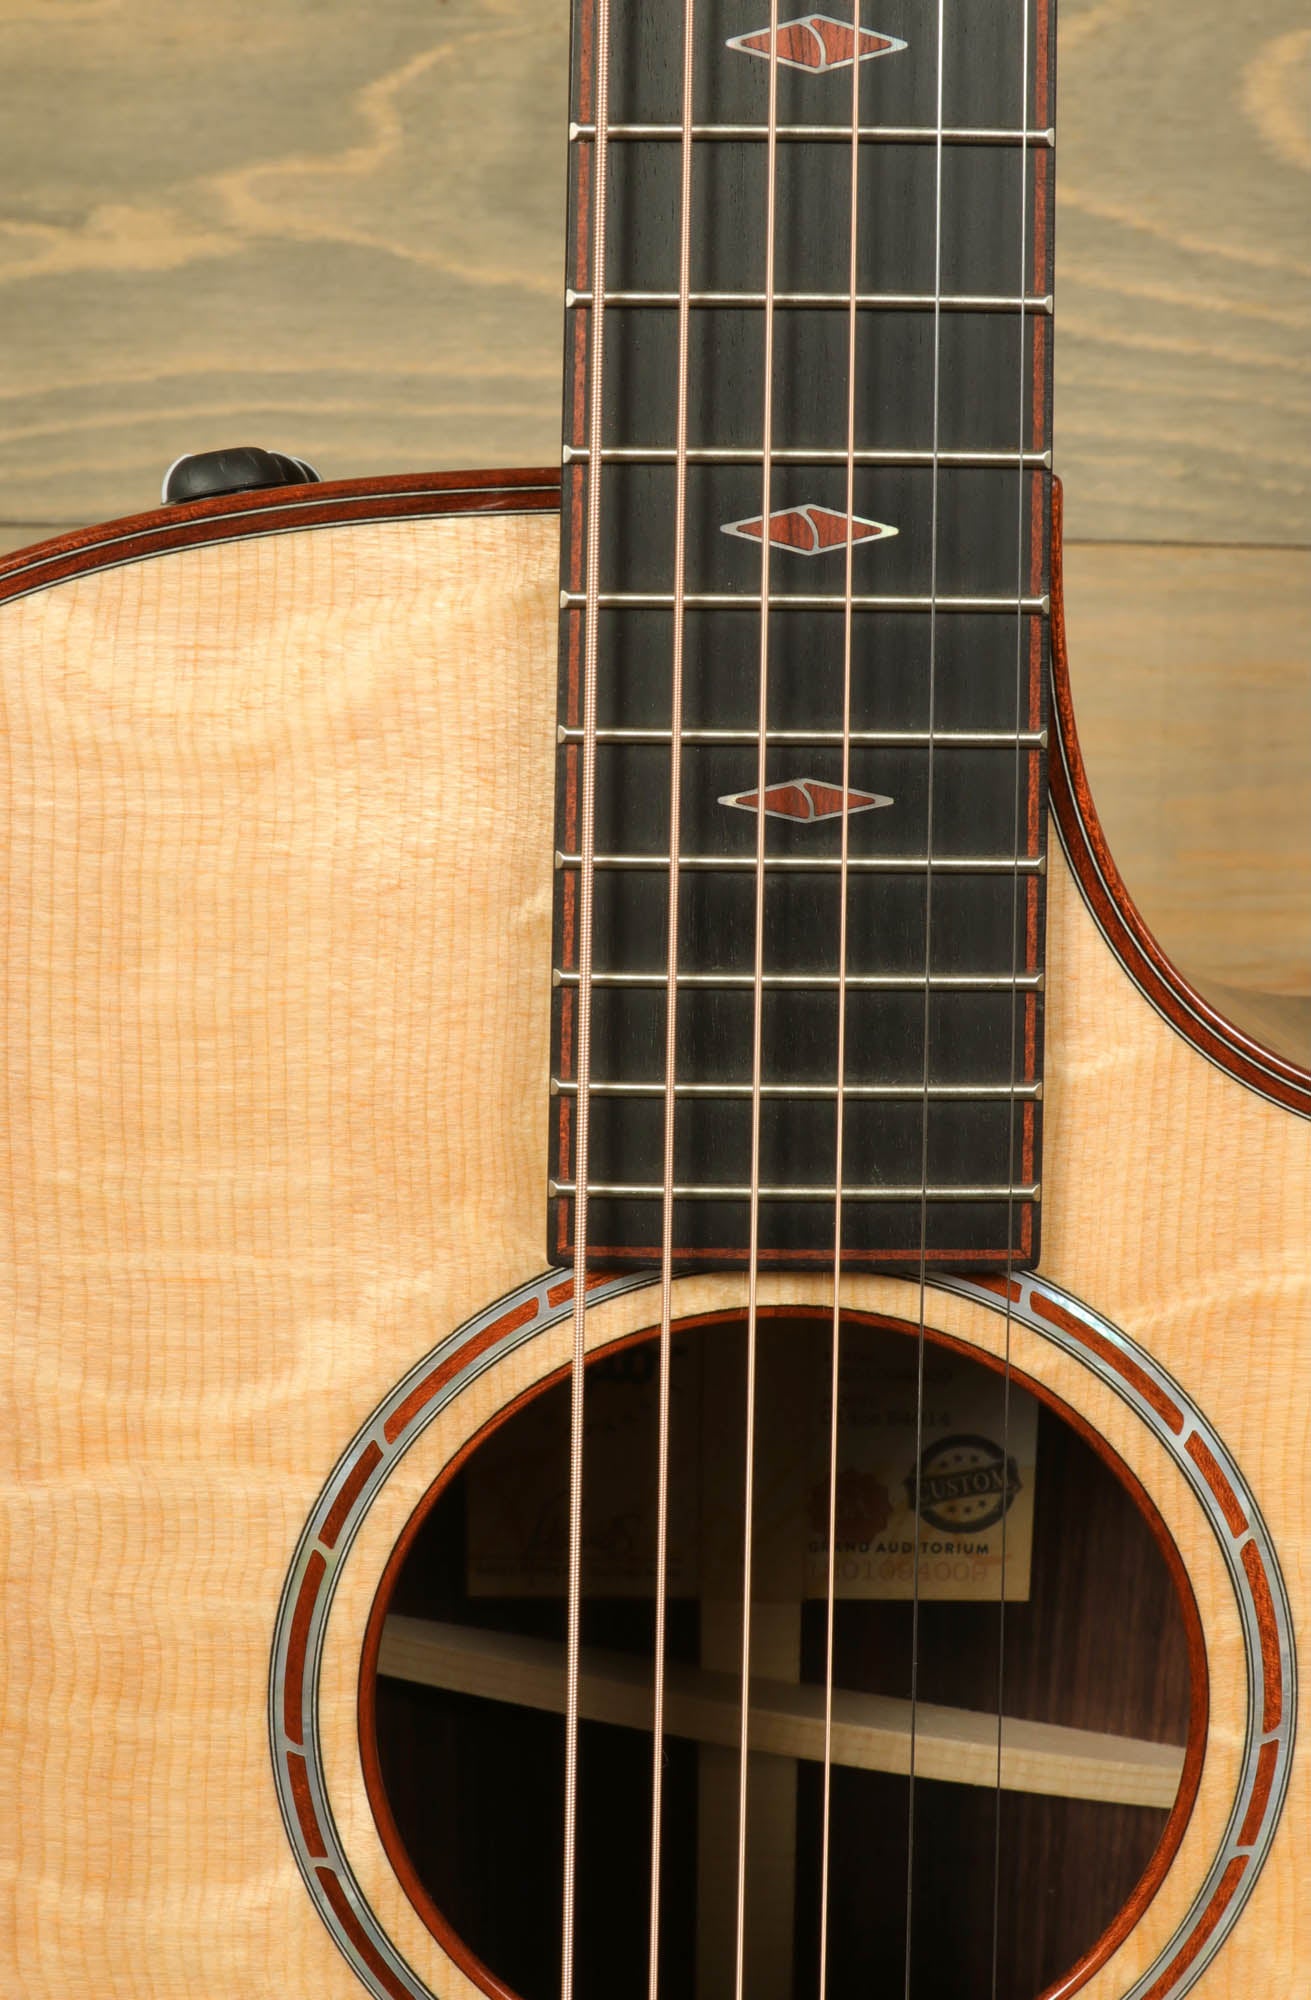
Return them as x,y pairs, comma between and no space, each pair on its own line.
1191,671
1183,410
278,894
870,1732
233,1189
283,220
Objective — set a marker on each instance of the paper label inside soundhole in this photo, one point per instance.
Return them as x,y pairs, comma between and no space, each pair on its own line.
969,1460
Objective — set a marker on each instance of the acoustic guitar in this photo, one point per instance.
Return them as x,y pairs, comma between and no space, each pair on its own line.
651,1347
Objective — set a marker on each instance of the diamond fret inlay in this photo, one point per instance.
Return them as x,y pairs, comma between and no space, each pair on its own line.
805,799
817,42
810,530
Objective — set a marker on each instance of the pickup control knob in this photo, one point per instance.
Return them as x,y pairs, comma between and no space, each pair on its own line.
243,468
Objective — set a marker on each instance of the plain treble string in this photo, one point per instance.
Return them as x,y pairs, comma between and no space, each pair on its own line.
753,1260
671,1004
835,1372
927,1016
587,838
1022,478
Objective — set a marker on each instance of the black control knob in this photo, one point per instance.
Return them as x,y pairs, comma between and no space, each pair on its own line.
243,468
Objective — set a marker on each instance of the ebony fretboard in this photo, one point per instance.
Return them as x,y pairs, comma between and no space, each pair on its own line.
957,894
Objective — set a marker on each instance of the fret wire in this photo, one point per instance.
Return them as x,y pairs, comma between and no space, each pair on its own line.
801,455
890,135
976,739
819,982
883,864
745,600
802,1191
960,1093
824,301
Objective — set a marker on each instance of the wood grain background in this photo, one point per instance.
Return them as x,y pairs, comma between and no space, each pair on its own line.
338,229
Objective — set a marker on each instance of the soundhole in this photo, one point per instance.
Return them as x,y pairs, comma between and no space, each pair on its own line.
947,1885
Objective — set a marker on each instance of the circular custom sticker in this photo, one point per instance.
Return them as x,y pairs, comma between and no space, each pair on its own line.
963,1483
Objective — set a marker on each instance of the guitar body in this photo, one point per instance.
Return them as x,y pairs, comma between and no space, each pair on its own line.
279,866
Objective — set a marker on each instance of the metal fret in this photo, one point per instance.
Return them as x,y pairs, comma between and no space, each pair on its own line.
745,600
964,1092
827,301
823,982
886,135
805,1191
882,864
978,739
801,455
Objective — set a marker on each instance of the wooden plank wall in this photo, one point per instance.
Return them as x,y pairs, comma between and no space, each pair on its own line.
337,228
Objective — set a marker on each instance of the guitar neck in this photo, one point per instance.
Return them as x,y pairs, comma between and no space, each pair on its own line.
869,226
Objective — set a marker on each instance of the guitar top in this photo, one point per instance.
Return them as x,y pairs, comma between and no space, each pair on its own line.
862,1550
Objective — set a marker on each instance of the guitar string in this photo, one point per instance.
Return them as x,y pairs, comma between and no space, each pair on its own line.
841,1074
671,1004
582,1109
927,1016
753,1255
1022,478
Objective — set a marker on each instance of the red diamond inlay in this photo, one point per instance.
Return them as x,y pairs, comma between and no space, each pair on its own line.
818,42
811,530
805,799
